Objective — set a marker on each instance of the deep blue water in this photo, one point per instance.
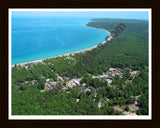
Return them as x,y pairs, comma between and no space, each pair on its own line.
40,38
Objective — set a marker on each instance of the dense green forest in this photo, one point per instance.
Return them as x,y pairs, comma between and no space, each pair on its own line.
128,51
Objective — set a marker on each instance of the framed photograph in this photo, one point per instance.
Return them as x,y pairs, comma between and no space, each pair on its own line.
79,63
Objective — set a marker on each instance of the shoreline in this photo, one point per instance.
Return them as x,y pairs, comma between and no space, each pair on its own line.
68,54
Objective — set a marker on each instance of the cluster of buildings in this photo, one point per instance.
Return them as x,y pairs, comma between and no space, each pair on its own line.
108,76
113,72
116,71
75,81
50,84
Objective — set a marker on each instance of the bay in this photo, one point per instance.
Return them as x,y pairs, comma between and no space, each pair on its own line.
35,38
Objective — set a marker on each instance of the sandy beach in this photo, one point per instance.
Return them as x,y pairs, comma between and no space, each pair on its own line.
81,51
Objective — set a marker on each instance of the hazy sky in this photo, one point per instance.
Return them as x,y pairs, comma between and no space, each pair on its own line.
91,14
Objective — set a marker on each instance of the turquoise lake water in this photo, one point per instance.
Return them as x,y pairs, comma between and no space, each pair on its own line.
38,38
